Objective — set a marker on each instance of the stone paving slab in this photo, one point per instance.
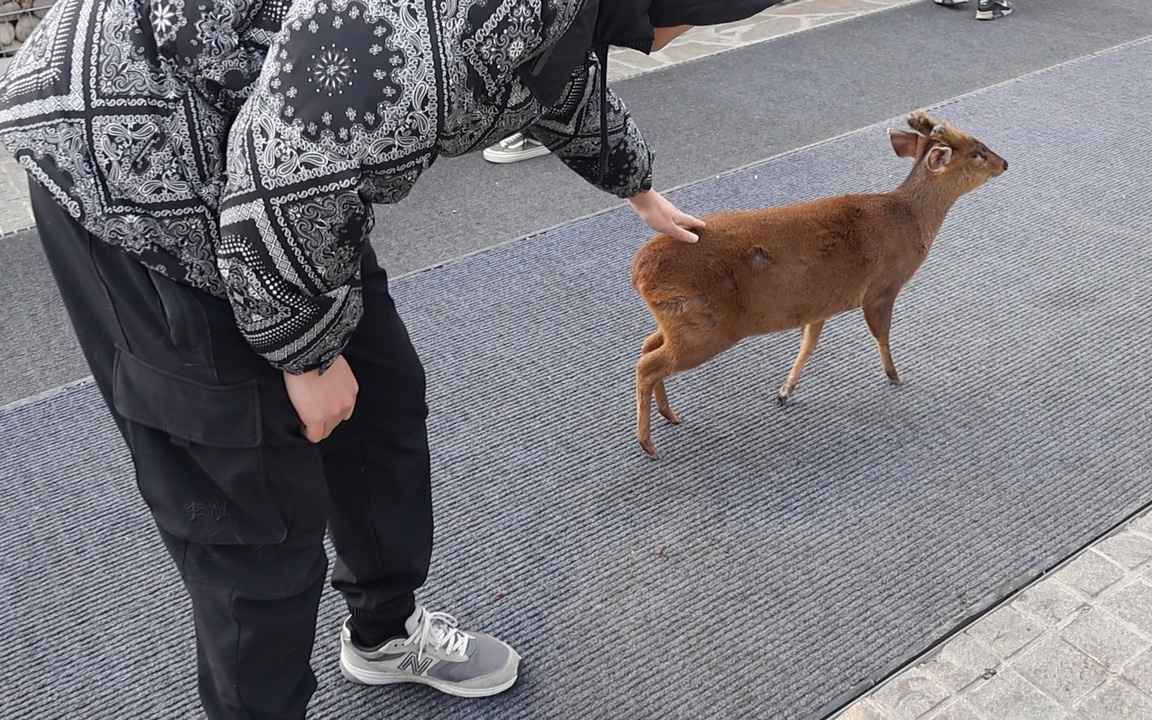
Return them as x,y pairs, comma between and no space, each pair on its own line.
1075,644
15,212
776,21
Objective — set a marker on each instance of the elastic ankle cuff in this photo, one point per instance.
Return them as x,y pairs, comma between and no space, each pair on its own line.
400,609
371,628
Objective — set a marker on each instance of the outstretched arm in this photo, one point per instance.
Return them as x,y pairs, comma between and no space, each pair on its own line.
664,217
572,130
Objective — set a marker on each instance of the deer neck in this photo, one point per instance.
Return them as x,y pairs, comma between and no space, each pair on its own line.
929,196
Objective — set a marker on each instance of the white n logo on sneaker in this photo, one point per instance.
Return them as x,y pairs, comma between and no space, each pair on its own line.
418,667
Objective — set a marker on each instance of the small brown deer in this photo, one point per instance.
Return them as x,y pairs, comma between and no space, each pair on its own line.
778,268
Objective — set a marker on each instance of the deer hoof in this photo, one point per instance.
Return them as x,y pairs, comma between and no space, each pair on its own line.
783,395
649,449
671,417
894,379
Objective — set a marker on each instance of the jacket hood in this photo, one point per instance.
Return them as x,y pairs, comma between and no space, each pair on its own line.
624,23
629,23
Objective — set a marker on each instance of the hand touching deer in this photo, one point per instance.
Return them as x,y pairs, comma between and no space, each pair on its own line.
795,266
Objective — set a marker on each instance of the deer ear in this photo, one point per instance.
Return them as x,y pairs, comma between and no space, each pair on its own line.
904,143
938,157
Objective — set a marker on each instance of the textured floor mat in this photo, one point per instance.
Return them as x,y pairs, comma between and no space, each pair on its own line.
777,557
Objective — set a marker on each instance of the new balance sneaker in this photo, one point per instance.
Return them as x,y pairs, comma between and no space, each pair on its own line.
992,9
436,653
950,3
515,148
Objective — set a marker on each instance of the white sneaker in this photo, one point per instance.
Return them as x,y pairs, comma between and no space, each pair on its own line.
436,653
515,148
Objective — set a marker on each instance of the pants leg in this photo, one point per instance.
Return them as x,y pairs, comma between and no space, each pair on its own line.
238,495
377,465
241,499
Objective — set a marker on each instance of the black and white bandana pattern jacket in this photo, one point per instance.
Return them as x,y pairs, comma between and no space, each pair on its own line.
133,112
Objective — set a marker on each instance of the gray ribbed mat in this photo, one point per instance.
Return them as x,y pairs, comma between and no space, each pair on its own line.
777,557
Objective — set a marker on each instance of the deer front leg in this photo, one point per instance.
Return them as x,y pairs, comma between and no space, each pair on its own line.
809,336
878,315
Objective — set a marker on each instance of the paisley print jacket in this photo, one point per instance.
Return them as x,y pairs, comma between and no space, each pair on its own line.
133,112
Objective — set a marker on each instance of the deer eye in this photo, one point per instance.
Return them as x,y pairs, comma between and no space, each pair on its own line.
976,154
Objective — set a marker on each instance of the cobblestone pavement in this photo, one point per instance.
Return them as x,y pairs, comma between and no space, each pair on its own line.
783,19
15,213
1075,644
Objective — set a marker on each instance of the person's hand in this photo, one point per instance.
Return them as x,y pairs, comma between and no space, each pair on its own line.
323,401
663,217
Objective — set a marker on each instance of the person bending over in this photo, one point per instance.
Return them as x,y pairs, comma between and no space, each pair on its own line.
203,178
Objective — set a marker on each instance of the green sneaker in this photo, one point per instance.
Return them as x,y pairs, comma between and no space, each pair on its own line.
436,653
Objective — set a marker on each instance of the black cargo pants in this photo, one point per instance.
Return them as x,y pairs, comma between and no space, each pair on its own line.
241,499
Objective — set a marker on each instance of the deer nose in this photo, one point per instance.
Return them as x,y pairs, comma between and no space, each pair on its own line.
1005,164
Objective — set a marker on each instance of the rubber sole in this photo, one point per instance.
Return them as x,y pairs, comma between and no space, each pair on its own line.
376,677
992,14
503,158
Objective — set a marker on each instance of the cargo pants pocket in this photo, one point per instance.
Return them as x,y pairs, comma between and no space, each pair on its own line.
198,453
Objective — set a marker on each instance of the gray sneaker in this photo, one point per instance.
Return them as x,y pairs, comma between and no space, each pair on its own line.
992,9
436,653
515,148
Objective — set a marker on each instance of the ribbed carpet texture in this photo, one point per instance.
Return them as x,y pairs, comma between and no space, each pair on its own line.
777,557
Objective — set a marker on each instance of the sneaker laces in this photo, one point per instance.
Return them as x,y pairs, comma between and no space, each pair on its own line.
512,141
438,631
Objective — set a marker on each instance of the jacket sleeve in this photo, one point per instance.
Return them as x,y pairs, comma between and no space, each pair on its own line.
324,135
201,43
571,130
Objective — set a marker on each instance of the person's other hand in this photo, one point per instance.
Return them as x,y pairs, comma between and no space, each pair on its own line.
323,401
663,217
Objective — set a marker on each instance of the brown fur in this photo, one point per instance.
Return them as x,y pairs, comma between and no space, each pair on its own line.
795,266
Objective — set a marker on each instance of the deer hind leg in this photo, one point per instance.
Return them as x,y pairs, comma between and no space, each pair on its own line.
878,315
673,356
809,336
653,367
654,341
